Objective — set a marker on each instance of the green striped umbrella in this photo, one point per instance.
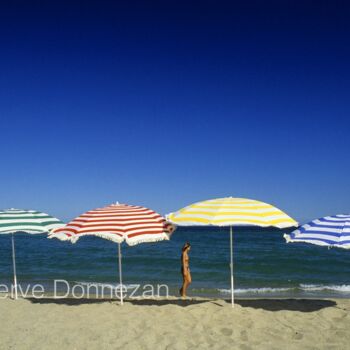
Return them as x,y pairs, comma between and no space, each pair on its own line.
28,221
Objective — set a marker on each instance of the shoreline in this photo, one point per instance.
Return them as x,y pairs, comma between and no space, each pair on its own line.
80,290
51,296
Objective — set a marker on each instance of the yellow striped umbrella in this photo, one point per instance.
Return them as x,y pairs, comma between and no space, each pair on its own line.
231,212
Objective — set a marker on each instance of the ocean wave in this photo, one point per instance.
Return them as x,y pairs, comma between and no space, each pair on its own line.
256,290
305,288
302,288
345,288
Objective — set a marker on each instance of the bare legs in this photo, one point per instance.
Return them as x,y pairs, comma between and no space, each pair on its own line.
185,269
185,283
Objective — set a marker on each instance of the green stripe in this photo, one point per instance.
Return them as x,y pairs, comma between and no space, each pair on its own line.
29,223
19,212
25,217
3,232
24,230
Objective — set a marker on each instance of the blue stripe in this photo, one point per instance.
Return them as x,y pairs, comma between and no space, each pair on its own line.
313,229
328,233
332,234
322,240
342,221
339,227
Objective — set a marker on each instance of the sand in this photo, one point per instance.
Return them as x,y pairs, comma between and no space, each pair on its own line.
174,324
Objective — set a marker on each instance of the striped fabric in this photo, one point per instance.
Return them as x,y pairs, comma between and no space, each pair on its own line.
29,221
332,231
231,212
117,222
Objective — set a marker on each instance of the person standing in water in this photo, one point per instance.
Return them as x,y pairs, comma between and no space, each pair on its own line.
185,269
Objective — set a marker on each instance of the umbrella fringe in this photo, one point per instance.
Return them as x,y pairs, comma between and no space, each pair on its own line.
64,237
290,240
30,232
287,238
61,236
164,237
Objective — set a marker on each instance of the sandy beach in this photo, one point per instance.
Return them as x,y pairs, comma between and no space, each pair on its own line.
175,324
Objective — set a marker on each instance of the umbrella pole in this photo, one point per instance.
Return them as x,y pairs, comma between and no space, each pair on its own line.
120,274
14,266
231,267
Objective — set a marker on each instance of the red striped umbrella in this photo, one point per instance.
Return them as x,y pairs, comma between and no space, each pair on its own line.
118,223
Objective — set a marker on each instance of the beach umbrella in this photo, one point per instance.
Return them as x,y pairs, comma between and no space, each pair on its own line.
331,231
117,223
28,221
231,212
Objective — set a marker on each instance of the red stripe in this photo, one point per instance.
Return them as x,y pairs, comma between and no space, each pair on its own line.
120,207
63,229
118,214
124,222
70,232
91,228
124,227
122,218
148,219
113,211
101,231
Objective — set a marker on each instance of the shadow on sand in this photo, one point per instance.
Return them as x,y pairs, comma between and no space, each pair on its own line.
69,301
302,305
141,302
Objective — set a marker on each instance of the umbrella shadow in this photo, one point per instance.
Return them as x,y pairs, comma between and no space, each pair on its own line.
162,302
69,301
301,305
140,302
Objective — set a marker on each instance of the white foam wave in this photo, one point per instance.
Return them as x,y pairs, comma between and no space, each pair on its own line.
301,288
256,290
345,288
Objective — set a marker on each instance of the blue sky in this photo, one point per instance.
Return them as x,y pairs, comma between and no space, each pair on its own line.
166,103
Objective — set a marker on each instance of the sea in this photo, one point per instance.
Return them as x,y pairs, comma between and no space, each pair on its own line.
264,264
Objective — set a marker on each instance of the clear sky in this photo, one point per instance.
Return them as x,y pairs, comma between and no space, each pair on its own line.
164,103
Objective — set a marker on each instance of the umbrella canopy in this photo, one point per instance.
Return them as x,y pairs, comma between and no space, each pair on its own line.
230,212
331,231
118,223
27,221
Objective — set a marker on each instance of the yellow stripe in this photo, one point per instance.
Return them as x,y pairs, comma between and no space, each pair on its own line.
222,201
202,206
232,213
248,221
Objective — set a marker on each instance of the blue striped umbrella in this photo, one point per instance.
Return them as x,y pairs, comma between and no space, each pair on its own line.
331,231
